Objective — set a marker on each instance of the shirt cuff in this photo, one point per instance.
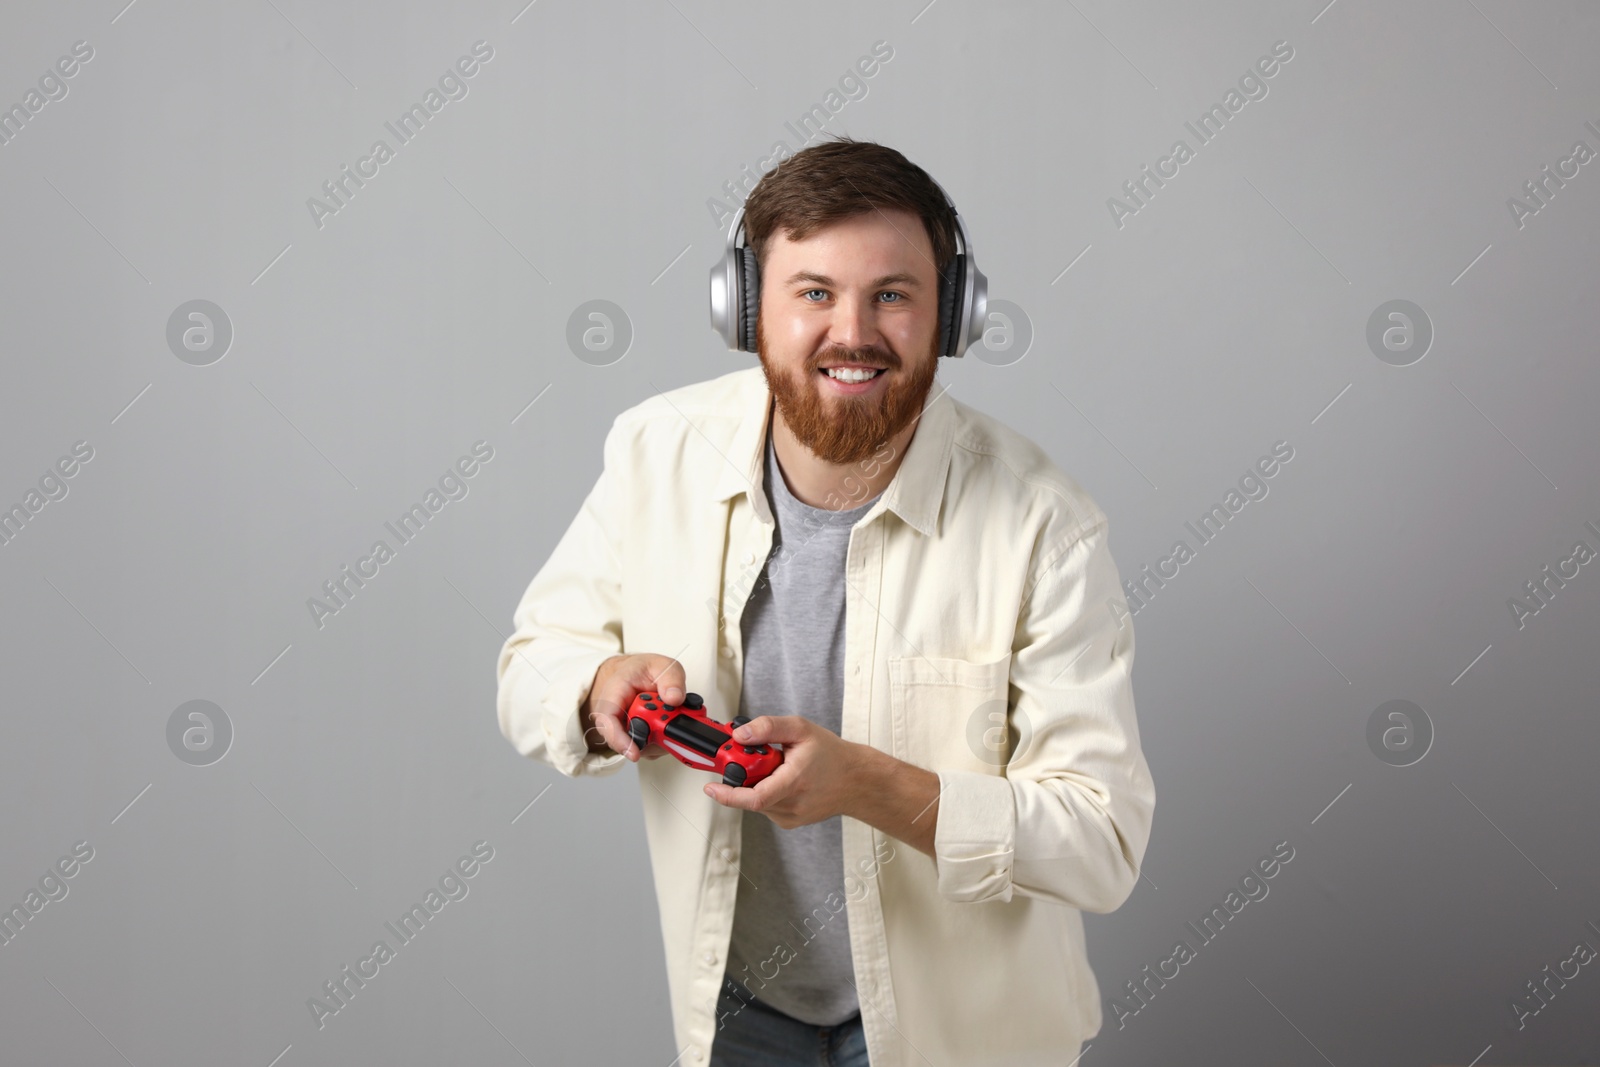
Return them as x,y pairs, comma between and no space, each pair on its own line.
974,839
563,728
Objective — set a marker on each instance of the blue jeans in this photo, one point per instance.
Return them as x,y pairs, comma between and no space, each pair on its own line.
753,1034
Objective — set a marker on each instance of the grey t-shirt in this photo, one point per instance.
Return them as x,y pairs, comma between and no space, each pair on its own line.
790,946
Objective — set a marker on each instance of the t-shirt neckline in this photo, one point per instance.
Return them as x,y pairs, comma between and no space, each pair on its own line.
780,496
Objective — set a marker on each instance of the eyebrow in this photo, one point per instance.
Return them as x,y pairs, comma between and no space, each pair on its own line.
900,278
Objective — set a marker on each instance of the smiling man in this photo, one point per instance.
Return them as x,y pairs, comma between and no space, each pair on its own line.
907,597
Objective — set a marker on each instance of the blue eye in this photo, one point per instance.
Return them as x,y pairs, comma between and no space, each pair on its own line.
893,294
808,292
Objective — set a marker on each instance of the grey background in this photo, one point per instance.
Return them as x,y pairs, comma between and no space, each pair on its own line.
369,354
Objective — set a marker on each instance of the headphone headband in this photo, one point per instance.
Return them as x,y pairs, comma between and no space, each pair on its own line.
736,291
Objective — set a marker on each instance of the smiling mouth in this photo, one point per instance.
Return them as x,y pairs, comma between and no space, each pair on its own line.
851,374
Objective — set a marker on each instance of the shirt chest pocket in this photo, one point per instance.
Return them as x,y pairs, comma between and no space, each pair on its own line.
952,714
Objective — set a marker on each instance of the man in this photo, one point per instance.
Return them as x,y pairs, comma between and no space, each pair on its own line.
907,597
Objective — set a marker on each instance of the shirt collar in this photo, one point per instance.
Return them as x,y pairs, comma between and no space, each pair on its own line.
914,494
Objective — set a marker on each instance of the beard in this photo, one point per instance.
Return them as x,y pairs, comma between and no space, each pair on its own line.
847,429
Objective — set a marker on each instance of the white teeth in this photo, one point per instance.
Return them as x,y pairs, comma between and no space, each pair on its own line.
846,374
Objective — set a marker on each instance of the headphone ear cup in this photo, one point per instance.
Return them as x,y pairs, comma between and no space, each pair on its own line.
950,285
750,286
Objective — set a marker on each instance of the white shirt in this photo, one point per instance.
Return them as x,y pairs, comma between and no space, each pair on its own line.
987,639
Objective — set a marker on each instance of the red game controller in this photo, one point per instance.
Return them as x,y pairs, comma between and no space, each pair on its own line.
697,740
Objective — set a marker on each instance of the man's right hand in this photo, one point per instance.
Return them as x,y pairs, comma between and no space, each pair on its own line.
617,681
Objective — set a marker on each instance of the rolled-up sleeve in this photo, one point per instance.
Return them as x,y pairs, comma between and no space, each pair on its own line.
1069,819
568,622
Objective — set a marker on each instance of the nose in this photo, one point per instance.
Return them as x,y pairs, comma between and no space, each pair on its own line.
854,323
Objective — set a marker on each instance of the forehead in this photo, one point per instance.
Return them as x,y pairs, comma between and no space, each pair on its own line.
864,245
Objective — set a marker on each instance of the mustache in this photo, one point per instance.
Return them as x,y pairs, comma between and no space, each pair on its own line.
871,357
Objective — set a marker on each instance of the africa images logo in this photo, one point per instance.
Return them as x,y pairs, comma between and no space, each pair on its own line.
53,85
452,86
453,484
1252,487
852,85
341,989
1252,888
1252,86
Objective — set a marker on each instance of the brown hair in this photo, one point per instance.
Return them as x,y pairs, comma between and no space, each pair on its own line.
840,179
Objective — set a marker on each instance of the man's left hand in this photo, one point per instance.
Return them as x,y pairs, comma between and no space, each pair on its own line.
814,782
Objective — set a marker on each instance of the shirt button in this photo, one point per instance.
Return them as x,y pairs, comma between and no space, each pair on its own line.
710,958
727,855
749,558
727,651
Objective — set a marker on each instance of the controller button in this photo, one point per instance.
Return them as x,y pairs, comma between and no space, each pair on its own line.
693,700
739,720
652,707
733,774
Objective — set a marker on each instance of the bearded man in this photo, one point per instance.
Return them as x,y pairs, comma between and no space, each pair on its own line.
910,600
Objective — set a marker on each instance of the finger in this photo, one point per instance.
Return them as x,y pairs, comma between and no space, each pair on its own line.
595,733
778,728
608,718
624,743
759,797
613,692
665,676
607,728
612,731
732,796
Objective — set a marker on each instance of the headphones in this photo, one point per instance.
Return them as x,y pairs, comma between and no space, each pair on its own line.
736,292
